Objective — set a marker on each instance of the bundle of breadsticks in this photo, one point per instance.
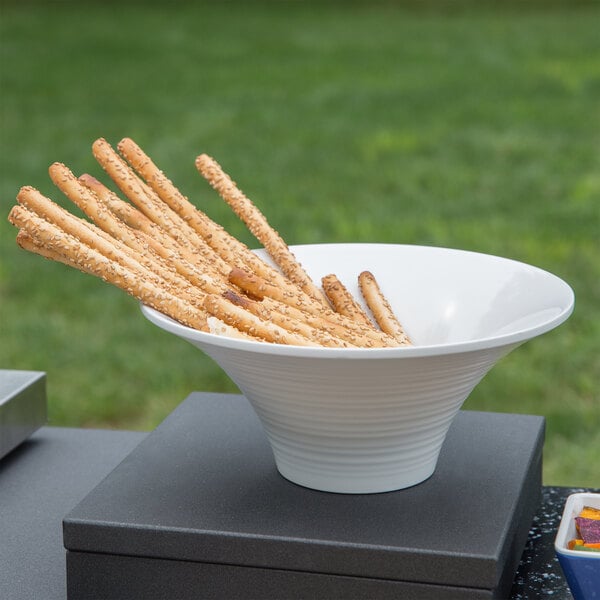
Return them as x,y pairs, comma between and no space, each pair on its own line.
157,246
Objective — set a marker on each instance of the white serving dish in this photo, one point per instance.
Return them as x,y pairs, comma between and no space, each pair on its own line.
374,420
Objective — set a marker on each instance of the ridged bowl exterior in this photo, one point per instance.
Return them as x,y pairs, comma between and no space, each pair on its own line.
374,420
355,426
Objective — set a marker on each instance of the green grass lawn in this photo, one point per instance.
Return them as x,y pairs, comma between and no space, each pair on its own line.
468,125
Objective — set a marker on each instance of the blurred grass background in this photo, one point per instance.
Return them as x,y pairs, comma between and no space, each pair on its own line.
473,125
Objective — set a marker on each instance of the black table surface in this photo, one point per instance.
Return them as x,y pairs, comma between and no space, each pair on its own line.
44,478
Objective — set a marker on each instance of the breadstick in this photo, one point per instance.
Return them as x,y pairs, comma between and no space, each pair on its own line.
135,253
130,215
251,324
131,186
217,327
357,333
55,240
258,225
190,265
144,264
230,249
81,229
48,210
381,309
288,322
26,242
135,219
147,201
342,300
300,306
336,325
260,288
153,251
87,200
215,235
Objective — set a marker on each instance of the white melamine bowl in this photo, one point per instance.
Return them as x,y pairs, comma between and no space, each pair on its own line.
374,420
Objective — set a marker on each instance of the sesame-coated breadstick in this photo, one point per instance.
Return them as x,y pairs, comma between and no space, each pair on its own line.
132,187
381,309
189,263
48,210
140,260
156,210
259,287
234,252
25,241
126,212
356,333
54,240
218,327
215,235
96,210
258,226
155,249
245,321
335,324
342,300
288,322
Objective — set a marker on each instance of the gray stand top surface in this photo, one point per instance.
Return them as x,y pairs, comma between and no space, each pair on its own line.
204,487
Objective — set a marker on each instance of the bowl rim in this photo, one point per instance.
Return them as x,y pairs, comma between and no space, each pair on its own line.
512,339
573,505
